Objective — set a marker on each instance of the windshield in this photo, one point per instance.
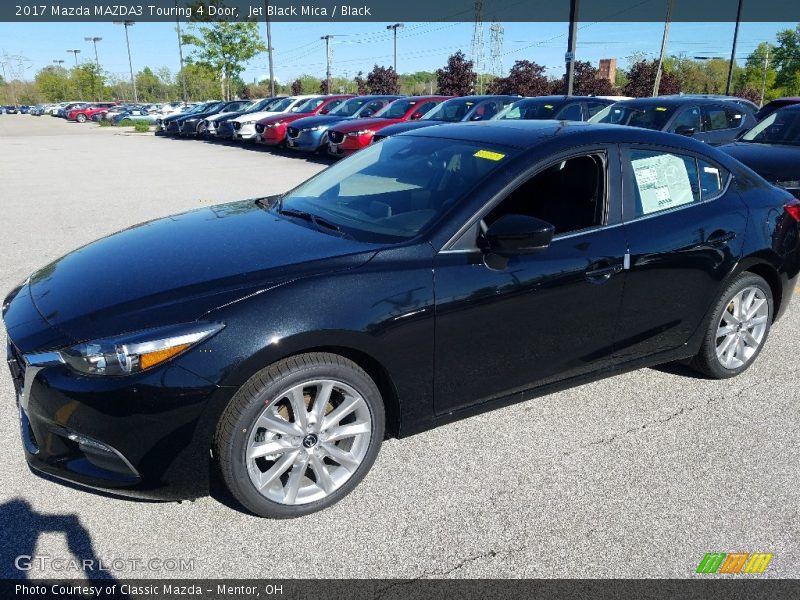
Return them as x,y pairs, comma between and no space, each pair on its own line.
257,105
349,108
396,109
649,116
309,105
530,109
451,111
391,191
282,104
781,127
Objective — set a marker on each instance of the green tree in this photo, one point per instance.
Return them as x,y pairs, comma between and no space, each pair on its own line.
201,82
88,80
759,70
225,47
787,62
54,84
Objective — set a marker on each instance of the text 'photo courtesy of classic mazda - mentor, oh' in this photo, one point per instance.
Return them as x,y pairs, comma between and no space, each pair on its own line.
275,343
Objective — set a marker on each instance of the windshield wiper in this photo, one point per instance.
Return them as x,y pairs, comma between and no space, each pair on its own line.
320,222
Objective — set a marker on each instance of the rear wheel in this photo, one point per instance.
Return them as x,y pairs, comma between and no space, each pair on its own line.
738,328
300,435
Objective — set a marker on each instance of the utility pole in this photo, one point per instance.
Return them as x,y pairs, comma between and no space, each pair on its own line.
733,50
60,62
94,41
180,54
571,43
329,60
269,51
664,41
127,24
395,28
764,77
75,52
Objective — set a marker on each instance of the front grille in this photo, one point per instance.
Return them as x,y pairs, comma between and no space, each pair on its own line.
337,137
237,125
292,132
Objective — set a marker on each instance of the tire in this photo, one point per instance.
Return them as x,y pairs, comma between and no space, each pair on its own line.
733,343
278,467
81,118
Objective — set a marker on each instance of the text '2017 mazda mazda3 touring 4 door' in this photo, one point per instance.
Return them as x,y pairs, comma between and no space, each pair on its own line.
434,275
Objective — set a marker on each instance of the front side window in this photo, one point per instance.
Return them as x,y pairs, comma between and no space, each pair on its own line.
571,112
687,120
716,118
392,190
570,195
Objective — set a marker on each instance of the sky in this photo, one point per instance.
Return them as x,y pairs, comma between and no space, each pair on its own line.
357,47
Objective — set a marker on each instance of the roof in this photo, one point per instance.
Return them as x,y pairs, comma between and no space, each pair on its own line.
675,100
527,134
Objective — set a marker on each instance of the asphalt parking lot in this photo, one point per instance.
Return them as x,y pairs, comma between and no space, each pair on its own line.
638,475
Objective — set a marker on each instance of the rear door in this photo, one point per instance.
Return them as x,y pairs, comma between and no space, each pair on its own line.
685,227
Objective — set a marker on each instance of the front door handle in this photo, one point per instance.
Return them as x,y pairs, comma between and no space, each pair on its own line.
602,271
720,237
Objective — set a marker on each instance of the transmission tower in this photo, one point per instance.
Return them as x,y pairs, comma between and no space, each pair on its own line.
477,55
496,43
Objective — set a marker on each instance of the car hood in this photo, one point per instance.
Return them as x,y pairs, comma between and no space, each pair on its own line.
257,116
225,115
178,268
314,121
774,162
408,126
373,123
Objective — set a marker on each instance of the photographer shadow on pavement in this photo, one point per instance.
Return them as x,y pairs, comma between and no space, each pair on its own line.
21,528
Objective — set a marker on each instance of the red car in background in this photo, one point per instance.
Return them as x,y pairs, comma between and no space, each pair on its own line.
81,115
271,131
353,135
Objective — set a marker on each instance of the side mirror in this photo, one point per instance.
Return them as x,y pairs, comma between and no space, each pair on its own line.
685,130
513,235
416,115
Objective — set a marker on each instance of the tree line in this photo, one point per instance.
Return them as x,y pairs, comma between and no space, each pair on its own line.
219,53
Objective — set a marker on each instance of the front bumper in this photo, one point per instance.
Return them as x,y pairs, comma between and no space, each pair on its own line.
306,140
272,136
134,435
245,133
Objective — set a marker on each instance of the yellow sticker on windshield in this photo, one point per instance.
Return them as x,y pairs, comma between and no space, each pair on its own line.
660,108
489,155
548,106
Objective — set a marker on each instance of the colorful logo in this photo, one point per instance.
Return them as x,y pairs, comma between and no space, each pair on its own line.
740,562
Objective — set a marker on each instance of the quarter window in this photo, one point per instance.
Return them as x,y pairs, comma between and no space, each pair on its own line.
712,180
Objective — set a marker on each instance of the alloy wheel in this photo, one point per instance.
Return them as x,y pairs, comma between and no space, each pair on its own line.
742,328
308,441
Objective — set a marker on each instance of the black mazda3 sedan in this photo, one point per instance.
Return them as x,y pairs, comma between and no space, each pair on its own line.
275,343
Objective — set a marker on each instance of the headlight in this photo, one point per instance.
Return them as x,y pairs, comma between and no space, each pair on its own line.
361,132
134,352
315,128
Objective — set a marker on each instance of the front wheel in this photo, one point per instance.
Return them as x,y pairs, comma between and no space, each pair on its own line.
81,118
738,328
300,435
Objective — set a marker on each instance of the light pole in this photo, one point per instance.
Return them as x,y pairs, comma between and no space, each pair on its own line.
127,24
571,44
269,51
75,52
664,39
94,41
395,27
328,59
60,62
733,50
180,53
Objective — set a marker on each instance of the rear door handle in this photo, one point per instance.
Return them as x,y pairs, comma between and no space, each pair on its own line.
602,271
720,237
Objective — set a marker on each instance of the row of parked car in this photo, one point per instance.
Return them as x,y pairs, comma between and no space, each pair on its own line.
98,111
766,139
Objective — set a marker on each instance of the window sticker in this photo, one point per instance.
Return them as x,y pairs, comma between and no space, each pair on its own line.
489,155
661,109
663,182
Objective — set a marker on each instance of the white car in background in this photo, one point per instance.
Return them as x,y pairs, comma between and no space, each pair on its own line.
211,122
245,126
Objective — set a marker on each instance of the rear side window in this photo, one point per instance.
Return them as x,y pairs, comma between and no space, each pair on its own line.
721,117
662,181
571,112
